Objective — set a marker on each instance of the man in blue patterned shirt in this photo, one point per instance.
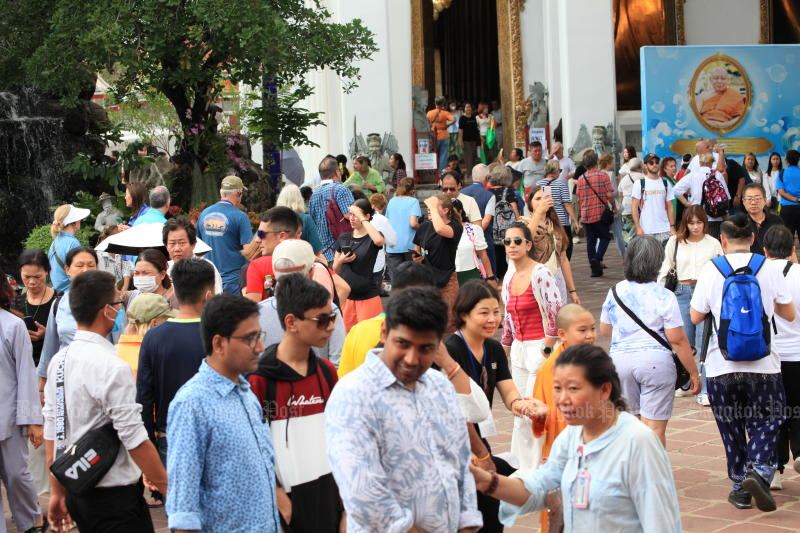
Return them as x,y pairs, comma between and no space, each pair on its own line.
396,440
220,460
330,186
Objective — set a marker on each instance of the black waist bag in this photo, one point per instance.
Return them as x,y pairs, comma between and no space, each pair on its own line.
81,466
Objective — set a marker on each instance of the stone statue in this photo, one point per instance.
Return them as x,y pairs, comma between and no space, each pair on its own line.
599,144
376,148
538,100
419,98
110,216
582,142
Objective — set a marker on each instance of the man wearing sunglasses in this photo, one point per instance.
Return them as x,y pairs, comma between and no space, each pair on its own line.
451,185
220,460
293,386
651,202
293,257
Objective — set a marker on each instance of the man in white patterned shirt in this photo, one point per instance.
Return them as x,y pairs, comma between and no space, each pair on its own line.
396,440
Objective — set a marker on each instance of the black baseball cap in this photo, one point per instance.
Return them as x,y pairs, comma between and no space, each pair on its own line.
649,158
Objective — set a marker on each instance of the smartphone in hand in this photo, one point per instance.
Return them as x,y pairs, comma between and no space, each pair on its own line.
547,189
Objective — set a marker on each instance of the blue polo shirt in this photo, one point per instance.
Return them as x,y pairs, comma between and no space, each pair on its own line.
151,216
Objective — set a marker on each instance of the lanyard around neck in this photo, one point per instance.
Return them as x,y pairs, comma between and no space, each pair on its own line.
472,358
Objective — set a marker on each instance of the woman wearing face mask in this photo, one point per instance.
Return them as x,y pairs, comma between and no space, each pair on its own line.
356,253
532,301
695,248
61,325
150,276
613,472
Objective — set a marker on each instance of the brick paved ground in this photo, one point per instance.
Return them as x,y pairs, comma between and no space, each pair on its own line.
693,444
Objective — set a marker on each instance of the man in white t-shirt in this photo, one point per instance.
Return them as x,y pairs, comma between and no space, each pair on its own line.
779,247
567,165
652,208
747,397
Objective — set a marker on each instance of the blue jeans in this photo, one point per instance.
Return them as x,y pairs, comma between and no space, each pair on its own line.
442,148
619,239
684,293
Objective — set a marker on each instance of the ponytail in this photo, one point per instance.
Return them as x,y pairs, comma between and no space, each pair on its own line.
57,226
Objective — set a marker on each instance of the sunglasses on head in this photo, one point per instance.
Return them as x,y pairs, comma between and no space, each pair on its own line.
323,321
516,240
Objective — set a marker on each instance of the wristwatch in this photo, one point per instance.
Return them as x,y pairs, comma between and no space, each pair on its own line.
547,350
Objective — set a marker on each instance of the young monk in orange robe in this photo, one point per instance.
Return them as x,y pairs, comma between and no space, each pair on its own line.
575,326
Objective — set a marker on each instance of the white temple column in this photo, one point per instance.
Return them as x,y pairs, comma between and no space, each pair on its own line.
552,61
588,87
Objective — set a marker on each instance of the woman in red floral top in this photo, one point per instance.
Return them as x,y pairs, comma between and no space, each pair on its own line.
532,301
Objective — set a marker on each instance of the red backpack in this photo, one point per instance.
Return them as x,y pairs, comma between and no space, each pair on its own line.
334,217
715,199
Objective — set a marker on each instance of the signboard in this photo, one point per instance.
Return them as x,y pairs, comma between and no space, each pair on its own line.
425,161
746,97
538,134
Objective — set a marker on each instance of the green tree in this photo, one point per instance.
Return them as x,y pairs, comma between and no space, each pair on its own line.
185,49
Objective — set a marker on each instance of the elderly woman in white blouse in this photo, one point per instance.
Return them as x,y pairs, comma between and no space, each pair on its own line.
695,248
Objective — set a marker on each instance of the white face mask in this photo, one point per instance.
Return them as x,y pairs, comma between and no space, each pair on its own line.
145,283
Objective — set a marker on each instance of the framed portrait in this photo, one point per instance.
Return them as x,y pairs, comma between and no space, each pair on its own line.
720,94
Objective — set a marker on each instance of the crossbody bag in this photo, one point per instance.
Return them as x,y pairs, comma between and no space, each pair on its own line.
681,374
80,467
608,215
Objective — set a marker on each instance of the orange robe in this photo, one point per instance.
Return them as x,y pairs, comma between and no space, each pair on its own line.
554,424
723,107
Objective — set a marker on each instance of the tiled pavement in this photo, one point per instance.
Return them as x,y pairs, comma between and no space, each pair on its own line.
693,445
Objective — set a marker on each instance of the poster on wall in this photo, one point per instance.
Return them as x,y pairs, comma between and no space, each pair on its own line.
746,97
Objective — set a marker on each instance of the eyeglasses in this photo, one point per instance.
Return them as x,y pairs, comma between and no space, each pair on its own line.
449,189
112,304
753,198
251,340
516,240
263,233
323,321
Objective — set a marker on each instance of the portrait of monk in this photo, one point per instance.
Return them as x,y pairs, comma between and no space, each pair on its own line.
722,107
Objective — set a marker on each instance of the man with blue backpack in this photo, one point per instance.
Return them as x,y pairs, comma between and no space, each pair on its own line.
742,292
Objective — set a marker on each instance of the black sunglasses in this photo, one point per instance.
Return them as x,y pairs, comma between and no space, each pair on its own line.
263,233
516,240
323,321
449,189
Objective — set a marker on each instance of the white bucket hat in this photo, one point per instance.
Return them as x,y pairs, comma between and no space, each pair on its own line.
75,214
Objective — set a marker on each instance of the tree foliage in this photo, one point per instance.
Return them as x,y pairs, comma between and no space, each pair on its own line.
185,49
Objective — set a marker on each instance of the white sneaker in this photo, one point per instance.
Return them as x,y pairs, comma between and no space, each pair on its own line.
702,399
797,464
776,482
576,240
680,393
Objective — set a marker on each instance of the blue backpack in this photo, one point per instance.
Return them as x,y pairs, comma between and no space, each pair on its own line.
743,333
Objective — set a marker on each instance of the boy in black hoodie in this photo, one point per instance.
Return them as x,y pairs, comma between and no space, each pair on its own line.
293,386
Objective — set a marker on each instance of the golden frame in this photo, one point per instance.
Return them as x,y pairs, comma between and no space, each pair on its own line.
693,85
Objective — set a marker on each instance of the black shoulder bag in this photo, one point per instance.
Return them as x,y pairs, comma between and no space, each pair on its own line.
681,374
671,280
81,466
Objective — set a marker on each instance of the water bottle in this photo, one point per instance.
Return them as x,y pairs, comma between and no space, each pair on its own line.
269,285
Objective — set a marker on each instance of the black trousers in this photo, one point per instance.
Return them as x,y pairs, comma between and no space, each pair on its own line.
500,259
111,510
791,217
789,436
489,506
713,228
568,230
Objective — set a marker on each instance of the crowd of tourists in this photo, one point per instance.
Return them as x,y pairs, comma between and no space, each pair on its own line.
336,370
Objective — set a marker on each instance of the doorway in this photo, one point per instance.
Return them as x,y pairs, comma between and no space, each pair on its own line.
465,37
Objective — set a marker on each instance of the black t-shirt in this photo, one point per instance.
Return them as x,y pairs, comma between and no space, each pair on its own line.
470,127
439,252
759,231
496,362
358,274
33,314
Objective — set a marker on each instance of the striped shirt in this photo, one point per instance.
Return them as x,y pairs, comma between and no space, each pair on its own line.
561,195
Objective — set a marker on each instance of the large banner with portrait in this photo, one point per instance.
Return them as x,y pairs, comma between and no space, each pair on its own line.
746,97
